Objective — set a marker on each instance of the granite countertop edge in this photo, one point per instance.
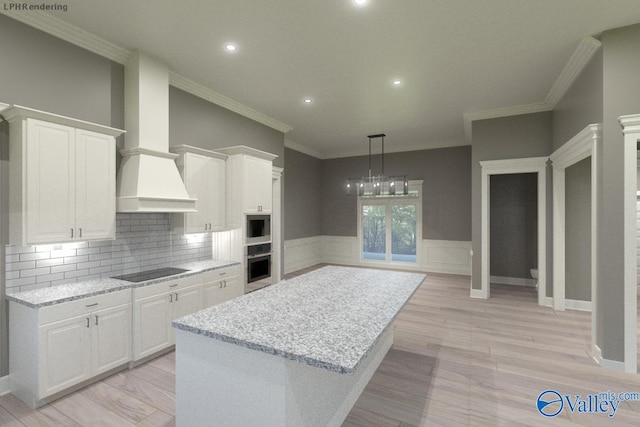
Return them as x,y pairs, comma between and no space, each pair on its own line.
197,267
346,370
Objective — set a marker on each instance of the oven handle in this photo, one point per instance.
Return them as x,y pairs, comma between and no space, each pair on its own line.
263,255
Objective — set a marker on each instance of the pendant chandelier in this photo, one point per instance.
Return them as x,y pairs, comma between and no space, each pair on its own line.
378,185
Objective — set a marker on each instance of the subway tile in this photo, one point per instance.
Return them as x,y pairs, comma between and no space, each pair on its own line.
19,249
61,253
76,259
99,270
111,261
88,251
21,282
20,265
100,256
100,243
76,273
27,288
87,265
12,258
49,262
63,268
49,277
35,271
12,274
63,281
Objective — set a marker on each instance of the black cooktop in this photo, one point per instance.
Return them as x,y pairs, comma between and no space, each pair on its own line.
150,274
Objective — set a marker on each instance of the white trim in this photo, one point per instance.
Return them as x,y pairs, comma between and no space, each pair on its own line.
302,253
494,113
499,167
513,281
84,39
302,149
547,302
581,146
577,62
579,59
189,86
277,260
574,304
5,385
446,256
478,293
631,130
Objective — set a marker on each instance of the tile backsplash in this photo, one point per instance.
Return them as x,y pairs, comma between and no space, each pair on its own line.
143,241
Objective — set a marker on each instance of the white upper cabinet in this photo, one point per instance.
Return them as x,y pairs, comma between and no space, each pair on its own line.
62,178
249,183
203,173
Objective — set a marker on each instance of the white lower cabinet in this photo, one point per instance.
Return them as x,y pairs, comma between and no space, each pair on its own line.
56,347
221,285
156,306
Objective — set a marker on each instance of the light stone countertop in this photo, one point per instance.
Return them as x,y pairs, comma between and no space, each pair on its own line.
63,293
329,318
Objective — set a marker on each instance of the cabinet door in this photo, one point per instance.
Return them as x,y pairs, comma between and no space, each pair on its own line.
185,301
197,177
233,288
111,338
257,186
65,358
95,186
152,323
50,182
212,293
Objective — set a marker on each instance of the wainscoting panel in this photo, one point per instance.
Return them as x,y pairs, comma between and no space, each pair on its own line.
446,256
301,253
438,256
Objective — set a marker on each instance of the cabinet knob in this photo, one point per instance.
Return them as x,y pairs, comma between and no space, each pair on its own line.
96,319
176,296
80,230
87,322
72,233
170,297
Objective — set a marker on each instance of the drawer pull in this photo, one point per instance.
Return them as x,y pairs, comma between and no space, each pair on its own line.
173,286
223,273
170,297
176,296
91,305
87,322
96,319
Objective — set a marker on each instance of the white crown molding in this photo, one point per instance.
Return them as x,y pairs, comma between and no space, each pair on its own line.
495,113
579,59
630,123
581,56
183,83
84,39
72,34
304,150
398,149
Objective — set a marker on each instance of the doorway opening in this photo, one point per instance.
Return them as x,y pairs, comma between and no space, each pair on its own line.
532,165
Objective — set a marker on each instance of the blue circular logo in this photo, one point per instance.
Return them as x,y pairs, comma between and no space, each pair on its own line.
550,403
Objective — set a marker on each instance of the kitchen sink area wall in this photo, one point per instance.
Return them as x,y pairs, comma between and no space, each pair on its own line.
143,241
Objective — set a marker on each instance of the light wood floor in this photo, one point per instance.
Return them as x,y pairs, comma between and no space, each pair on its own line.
455,361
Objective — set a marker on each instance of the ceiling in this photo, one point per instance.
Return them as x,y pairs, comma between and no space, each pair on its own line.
452,57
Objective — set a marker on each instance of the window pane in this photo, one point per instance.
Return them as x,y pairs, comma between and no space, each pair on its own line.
374,232
403,233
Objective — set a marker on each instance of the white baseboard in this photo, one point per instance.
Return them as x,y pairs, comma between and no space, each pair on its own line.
515,281
547,301
302,253
5,387
573,304
478,293
614,365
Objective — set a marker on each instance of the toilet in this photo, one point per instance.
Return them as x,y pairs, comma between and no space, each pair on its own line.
534,274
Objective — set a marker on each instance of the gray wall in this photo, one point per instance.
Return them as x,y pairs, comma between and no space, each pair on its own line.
527,135
446,190
302,201
621,96
581,105
42,72
514,224
195,121
578,231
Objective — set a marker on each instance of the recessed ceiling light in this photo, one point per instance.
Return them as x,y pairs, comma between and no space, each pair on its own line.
397,82
360,2
308,100
230,47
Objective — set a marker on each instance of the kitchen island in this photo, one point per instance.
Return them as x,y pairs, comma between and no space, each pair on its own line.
294,354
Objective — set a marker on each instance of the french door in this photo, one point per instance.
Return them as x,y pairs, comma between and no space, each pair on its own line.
389,230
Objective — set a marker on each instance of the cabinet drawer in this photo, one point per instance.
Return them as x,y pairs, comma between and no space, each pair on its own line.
67,310
166,286
220,273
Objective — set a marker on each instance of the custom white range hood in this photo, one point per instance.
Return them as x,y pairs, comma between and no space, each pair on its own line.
148,179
